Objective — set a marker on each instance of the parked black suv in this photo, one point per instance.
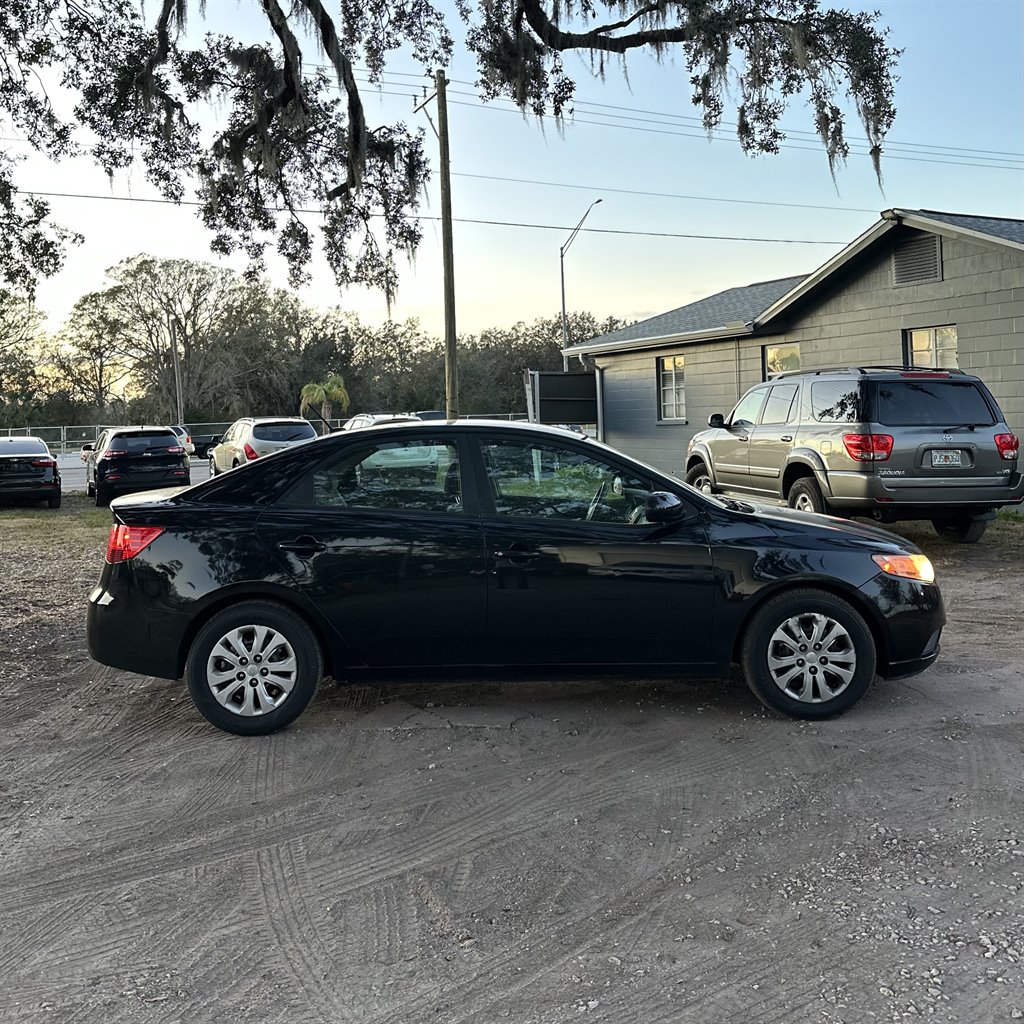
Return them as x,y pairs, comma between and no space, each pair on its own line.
126,459
889,442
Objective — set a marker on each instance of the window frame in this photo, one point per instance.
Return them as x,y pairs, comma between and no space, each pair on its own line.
660,374
765,376
908,346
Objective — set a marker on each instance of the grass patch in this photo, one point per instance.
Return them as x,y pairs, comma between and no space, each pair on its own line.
77,517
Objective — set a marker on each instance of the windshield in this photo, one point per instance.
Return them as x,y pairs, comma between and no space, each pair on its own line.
931,403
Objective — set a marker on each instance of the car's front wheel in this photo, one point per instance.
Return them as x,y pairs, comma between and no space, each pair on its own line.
213,466
808,654
253,668
962,530
700,478
103,495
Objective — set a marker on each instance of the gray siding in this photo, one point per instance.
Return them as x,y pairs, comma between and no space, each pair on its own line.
859,320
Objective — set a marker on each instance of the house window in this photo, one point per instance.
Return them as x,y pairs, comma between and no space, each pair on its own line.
930,346
672,388
778,359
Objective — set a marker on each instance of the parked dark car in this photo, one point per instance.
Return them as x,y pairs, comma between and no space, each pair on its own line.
889,442
530,549
202,443
128,459
28,472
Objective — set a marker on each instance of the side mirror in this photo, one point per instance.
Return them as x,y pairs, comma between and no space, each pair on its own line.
215,439
88,447
663,507
716,419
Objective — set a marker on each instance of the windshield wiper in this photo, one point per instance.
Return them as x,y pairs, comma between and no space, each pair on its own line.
962,426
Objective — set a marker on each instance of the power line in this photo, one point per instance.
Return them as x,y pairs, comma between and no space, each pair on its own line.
463,220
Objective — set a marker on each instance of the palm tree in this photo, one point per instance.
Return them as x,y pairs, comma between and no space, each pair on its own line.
325,394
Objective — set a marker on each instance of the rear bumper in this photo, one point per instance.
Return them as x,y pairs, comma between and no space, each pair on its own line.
914,499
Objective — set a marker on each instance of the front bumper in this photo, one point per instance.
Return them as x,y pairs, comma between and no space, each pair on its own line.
910,619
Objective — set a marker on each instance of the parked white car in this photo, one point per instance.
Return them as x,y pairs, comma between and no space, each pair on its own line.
185,438
251,437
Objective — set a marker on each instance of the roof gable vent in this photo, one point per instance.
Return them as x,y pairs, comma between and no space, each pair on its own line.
917,260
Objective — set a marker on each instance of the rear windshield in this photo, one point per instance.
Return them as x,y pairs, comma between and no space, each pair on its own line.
142,442
283,432
23,446
931,403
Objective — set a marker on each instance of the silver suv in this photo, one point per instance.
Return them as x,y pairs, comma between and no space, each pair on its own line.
888,442
250,437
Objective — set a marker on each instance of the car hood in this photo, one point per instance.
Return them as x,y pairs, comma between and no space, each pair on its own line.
781,520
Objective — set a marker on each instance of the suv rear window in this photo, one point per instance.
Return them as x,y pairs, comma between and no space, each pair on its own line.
141,442
931,403
283,432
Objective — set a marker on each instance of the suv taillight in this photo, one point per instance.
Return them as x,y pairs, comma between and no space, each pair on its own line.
111,453
1008,445
868,447
175,449
250,452
126,542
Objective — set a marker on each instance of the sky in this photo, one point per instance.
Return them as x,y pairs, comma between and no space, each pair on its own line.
681,216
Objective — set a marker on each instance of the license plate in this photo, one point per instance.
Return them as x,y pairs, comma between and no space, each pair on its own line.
945,458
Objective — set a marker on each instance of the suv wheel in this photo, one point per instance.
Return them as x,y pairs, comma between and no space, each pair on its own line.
808,654
962,530
213,466
253,668
700,478
805,496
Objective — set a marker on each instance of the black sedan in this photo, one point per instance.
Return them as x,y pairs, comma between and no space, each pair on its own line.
28,472
529,550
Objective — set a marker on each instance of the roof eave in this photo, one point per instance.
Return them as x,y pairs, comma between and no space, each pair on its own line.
660,341
912,220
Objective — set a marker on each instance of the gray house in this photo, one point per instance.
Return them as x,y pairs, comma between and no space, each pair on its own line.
918,288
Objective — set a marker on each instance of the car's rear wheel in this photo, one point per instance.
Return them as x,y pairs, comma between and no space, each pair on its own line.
103,495
805,496
90,489
253,668
962,530
808,654
700,478
54,502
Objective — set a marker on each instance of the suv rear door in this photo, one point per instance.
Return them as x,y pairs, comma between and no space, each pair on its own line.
943,429
151,458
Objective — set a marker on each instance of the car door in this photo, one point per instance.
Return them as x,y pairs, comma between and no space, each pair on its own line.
772,438
575,573
395,563
731,452
90,463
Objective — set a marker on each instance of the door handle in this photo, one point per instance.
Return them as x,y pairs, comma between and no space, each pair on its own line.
517,555
304,545
786,437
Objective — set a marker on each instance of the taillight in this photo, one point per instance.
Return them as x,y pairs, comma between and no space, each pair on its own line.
111,453
250,452
175,449
46,463
126,542
1008,445
868,447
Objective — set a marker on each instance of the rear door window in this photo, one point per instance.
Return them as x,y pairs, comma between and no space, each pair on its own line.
137,443
932,403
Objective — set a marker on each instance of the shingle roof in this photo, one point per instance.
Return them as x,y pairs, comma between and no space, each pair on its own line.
998,227
735,305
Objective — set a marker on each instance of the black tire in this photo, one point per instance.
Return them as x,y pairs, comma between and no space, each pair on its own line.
90,489
103,496
814,689
250,708
805,494
699,477
963,530
54,502
213,467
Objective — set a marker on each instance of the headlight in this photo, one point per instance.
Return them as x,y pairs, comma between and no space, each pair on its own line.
909,567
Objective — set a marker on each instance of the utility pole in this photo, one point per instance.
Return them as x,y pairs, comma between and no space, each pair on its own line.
451,366
172,327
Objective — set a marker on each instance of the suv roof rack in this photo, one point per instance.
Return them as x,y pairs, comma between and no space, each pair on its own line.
868,369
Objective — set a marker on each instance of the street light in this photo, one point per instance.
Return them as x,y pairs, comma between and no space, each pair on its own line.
561,260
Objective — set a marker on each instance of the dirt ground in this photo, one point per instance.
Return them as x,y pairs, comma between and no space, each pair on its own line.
552,852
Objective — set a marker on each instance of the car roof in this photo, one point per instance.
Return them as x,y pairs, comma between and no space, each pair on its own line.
874,372
141,429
